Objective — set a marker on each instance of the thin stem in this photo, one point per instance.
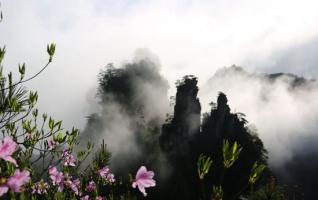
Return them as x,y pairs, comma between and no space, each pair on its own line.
32,77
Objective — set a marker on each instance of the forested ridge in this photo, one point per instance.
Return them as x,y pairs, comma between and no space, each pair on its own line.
173,146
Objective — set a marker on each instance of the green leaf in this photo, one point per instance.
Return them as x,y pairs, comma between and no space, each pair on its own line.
2,52
217,192
51,50
89,145
81,154
59,138
22,71
44,116
256,171
51,123
35,112
26,126
230,153
33,98
204,164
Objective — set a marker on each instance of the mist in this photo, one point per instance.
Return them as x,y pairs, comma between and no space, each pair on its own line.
131,97
282,108
190,37
146,46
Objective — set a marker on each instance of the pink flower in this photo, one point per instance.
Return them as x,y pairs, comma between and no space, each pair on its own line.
3,189
51,144
15,182
74,185
86,197
57,178
106,175
103,172
7,148
91,186
110,178
144,179
40,187
19,178
69,159
100,198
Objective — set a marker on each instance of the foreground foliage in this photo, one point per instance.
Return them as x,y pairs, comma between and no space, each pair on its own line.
37,158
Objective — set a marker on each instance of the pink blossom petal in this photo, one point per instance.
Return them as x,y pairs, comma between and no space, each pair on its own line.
3,189
91,186
144,179
19,178
52,170
142,170
100,198
7,148
103,172
51,144
148,183
69,159
10,159
86,197
57,178
142,190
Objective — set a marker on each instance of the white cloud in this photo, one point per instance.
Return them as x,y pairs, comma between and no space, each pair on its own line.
190,37
285,118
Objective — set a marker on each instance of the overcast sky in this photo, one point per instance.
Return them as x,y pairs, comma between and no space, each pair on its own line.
189,37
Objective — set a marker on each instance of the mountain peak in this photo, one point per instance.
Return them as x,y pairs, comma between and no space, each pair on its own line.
239,72
232,70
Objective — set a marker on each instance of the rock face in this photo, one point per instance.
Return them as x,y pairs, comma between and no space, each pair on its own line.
175,141
186,120
221,124
129,120
172,150
258,93
184,138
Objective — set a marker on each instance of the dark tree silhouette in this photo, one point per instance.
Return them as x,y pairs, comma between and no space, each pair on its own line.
182,137
126,96
183,142
221,124
175,141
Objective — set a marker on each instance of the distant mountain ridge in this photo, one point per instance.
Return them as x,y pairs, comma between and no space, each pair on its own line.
292,79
